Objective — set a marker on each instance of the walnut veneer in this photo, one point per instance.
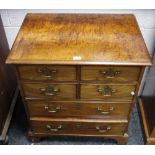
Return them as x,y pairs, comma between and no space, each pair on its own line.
79,73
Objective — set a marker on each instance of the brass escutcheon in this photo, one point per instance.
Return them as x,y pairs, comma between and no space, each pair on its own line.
53,129
106,91
109,73
103,129
105,112
46,72
50,110
49,90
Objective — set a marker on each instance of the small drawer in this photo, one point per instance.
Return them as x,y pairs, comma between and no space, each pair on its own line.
101,91
48,90
86,127
78,109
47,72
110,73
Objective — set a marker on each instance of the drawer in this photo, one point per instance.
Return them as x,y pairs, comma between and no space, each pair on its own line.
71,127
48,90
110,73
101,91
47,72
78,109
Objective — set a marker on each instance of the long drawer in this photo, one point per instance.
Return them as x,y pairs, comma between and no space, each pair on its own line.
78,109
48,90
47,72
71,127
103,91
110,73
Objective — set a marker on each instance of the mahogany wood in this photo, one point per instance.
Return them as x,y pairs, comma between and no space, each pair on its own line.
71,126
33,72
65,91
92,38
116,74
103,110
121,92
73,67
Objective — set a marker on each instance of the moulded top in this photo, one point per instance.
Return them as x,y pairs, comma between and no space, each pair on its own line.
107,39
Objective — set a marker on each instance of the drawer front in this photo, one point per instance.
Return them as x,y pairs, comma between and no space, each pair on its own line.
86,128
48,90
48,72
95,91
78,109
110,73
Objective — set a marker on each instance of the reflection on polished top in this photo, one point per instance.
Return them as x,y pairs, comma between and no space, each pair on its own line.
79,39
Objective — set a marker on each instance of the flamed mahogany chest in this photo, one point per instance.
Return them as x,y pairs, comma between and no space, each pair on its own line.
79,74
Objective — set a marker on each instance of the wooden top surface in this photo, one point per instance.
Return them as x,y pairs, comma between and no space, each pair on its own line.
79,39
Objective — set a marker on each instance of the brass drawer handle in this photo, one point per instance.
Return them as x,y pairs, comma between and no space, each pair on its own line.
46,72
105,112
54,129
49,91
103,129
106,91
109,73
46,107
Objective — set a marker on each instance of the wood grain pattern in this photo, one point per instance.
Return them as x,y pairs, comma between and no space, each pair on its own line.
79,47
122,92
79,127
66,91
111,74
94,38
77,109
33,72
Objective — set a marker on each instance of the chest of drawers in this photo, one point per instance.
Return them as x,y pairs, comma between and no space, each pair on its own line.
79,74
